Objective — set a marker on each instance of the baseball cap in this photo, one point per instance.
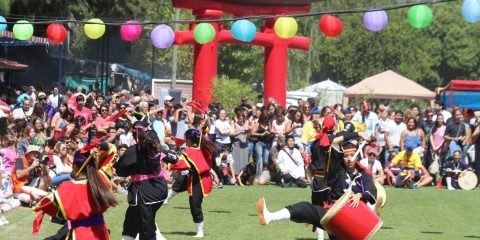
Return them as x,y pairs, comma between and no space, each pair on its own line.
42,95
168,98
347,110
409,145
315,110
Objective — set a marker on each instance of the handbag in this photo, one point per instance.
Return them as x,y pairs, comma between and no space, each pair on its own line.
434,166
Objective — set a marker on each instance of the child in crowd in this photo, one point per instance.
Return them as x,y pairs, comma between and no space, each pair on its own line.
246,176
226,165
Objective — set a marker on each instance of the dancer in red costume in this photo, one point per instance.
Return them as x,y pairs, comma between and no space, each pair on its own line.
197,159
83,200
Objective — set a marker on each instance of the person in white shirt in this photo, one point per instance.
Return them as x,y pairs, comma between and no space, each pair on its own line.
372,164
367,117
24,112
52,99
291,164
394,133
438,109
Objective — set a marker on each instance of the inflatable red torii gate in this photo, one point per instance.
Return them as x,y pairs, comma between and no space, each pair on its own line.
276,49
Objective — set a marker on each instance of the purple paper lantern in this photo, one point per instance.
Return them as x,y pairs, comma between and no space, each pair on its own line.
130,31
375,20
162,36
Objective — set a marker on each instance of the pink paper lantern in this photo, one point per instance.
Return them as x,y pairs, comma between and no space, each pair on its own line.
130,31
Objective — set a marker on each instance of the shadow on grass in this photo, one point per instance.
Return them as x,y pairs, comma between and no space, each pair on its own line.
180,233
471,236
252,215
220,211
305,239
429,232
386,228
182,208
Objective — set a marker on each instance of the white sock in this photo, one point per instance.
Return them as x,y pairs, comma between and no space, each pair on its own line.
319,232
199,230
283,214
171,194
449,183
127,238
158,234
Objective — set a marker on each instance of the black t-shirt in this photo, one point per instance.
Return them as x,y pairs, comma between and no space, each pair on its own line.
32,174
455,129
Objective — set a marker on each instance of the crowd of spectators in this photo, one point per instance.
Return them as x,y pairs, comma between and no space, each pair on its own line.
257,144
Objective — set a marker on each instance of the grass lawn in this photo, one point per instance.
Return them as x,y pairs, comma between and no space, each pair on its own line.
426,213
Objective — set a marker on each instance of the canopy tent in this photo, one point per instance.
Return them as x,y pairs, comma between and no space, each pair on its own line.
389,85
463,93
7,39
328,91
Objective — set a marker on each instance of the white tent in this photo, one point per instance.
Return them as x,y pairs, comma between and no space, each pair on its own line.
328,91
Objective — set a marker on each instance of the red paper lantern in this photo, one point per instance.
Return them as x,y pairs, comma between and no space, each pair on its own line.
56,33
330,26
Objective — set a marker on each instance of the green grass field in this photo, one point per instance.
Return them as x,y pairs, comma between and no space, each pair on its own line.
426,213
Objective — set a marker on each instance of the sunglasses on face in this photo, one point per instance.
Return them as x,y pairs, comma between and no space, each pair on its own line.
372,155
104,110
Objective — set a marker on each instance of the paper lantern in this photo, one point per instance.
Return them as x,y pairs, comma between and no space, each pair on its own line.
330,26
56,33
204,33
375,20
244,30
420,16
23,30
130,31
162,36
3,24
471,10
285,27
95,28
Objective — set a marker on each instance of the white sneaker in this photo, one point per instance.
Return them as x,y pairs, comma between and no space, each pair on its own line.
199,235
450,188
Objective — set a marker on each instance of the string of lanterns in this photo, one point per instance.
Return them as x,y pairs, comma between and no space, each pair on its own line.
163,36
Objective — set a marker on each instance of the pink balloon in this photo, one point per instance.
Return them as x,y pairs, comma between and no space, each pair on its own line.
130,31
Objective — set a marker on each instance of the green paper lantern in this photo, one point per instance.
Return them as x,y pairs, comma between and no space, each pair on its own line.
204,33
23,30
420,16
94,29
285,27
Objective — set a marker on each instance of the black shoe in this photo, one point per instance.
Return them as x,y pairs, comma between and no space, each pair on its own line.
286,185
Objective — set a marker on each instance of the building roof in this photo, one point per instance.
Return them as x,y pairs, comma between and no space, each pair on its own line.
11,65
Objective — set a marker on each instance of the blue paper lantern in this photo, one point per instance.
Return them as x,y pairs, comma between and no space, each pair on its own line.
3,24
244,30
471,10
162,36
375,20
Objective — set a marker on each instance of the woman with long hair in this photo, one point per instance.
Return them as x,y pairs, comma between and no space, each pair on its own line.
148,188
197,159
39,112
413,134
437,142
63,166
28,135
262,136
40,133
83,200
63,107
64,125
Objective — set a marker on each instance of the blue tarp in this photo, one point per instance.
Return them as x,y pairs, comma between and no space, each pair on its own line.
464,99
135,73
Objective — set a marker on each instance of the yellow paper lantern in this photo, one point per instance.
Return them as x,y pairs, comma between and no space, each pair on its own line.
286,27
95,28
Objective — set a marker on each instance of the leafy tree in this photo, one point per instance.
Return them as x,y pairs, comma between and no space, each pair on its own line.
230,91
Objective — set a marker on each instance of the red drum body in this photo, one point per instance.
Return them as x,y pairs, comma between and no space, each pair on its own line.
350,223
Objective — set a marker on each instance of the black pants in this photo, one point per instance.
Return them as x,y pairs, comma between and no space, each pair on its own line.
196,199
320,193
180,184
305,212
140,219
476,164
289,179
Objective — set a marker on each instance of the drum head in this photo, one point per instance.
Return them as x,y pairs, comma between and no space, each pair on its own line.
335,208
381,193
468,181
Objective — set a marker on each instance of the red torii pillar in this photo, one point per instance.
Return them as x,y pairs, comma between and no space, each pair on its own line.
206,59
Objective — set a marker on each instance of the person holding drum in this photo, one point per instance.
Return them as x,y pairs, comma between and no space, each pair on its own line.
348,179
455,170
